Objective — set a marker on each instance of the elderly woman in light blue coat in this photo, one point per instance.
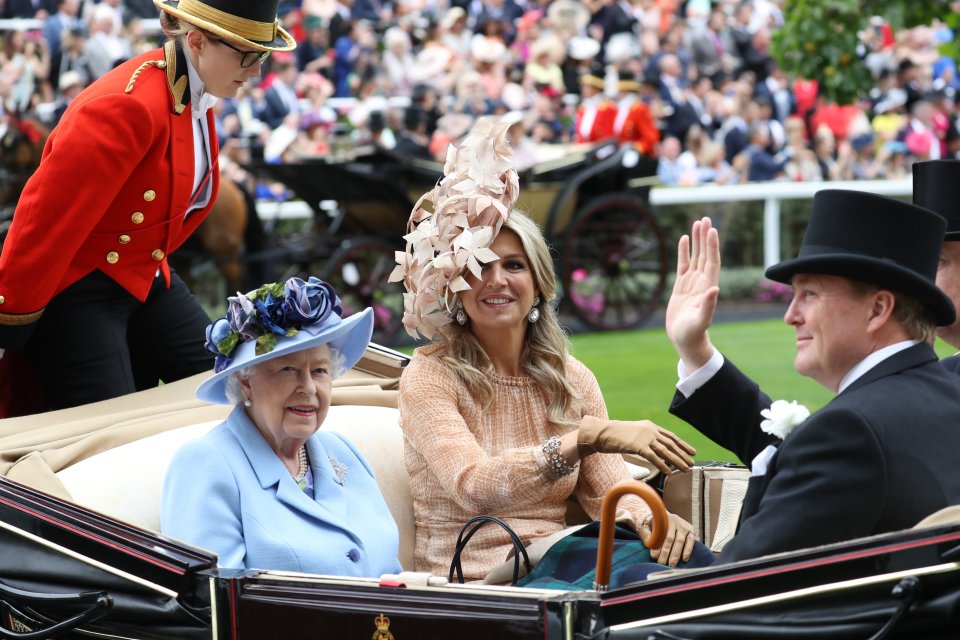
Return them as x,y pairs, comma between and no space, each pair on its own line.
267,489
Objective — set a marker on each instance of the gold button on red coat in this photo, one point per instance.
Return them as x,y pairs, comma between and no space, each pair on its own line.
2,299
113,257
124,239
149,195
137,217
157,255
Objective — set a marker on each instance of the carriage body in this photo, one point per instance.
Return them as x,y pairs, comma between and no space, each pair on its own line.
81,547
590,200
157,589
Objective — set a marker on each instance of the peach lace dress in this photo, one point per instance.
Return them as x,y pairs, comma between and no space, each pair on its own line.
464,461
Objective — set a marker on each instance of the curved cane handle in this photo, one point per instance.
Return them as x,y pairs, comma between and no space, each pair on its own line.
608,517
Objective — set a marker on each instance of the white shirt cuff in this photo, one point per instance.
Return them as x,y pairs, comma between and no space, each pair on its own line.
690,382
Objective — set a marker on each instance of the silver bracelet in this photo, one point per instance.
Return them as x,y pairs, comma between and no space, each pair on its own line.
551,450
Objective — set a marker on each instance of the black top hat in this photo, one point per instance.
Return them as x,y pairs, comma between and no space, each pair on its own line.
862,236
936,186
249,22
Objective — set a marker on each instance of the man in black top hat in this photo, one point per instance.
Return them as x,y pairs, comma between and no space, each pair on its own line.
881,455
936,186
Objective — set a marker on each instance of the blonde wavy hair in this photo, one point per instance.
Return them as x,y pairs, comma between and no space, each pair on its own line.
173,27
547,347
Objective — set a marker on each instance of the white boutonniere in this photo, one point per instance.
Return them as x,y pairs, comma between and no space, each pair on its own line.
783,417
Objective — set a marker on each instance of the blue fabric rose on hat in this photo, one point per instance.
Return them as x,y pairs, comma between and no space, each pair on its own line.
217,332
311,301
272,312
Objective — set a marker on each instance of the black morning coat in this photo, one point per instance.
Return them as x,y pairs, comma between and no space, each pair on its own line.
879,457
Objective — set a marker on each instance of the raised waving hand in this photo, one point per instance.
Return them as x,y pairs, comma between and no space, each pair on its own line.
694,298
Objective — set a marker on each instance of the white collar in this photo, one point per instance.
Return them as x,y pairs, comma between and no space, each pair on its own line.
200,101
873,360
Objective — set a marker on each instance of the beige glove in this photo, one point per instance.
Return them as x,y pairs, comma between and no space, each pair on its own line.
677,546
655,444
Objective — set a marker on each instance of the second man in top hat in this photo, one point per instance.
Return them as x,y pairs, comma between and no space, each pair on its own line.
936,186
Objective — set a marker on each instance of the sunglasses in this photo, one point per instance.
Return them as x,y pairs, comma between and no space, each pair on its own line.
247,58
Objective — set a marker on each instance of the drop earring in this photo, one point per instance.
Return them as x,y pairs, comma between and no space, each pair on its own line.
248,403
534,314
460,316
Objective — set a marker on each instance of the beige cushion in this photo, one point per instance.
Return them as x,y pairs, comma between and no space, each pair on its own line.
947,515
376,433
126,482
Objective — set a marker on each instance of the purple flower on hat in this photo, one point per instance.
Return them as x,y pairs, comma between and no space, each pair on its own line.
309,302
272,312
243,318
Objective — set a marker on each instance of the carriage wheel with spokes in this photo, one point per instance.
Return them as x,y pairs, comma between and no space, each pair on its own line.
614,263
358,270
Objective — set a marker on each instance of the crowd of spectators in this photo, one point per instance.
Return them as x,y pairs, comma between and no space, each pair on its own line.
692,82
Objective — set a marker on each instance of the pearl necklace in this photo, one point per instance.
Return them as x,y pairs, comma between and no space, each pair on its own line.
303,467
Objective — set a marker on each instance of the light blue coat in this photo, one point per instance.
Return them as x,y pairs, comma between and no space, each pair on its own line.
228,492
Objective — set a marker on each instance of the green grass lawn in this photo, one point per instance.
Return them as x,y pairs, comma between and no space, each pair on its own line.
637,371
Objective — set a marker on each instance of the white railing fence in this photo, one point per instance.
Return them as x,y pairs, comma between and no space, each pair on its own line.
772,194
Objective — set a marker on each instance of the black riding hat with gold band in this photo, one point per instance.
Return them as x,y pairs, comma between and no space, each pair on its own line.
252,23
593,77
627,81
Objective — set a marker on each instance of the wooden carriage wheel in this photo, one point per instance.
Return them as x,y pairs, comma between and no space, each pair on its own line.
614,263
358,270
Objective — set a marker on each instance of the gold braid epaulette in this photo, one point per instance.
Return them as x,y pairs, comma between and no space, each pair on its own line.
176,85
159,64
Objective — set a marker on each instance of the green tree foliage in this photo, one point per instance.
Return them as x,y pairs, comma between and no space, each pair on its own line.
819,38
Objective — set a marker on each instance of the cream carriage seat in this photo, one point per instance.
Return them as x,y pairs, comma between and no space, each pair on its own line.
112,456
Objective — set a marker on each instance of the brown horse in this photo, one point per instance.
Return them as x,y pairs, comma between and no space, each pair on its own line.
222,233
21,145
221,236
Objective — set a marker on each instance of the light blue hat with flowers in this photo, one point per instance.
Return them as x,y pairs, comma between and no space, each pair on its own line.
278,319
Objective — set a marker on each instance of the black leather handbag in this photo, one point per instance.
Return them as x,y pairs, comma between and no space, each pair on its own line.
473,525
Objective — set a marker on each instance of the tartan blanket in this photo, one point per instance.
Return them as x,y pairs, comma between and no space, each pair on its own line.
571,563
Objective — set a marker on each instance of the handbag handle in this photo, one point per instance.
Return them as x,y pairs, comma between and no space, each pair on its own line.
477,523
608,517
